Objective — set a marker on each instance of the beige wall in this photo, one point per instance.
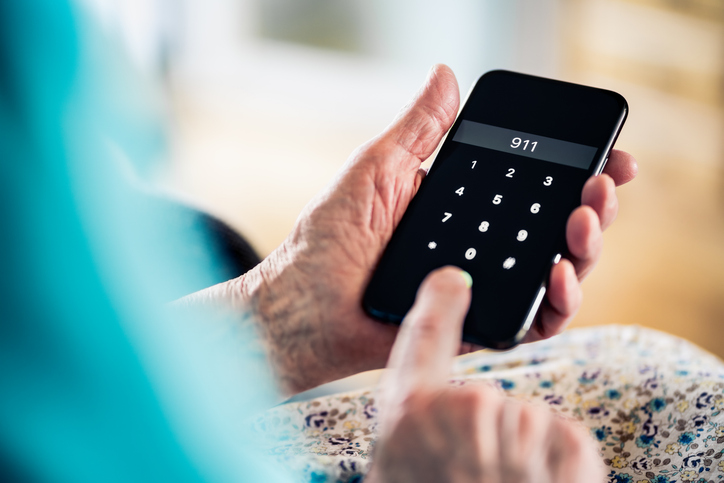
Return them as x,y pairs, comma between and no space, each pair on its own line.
663,265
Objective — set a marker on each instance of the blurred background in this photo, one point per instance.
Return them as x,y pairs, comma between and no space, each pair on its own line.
265,99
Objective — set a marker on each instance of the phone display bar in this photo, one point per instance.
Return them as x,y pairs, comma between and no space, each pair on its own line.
525,144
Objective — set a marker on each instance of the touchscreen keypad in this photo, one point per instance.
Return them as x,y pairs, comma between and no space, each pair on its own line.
495,204
497,215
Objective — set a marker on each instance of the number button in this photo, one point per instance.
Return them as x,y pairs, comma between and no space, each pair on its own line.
484,226
497,199
548,181
446,217
509,263
511,171
460,191
474,163
535,208
470,253
522,235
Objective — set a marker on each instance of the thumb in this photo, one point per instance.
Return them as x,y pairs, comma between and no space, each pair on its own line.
430,335
419,127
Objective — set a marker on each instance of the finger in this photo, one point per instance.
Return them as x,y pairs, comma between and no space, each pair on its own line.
564,291
563,299
414,135
572,456
621,166
599,193
585,239
510,444
469,417
430,334
421,173
524,427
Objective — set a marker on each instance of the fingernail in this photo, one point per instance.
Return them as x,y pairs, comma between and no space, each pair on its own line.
468,278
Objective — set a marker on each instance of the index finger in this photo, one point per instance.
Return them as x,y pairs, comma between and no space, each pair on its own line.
430,334
621,166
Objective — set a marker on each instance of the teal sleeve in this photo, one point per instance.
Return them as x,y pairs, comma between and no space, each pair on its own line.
98,381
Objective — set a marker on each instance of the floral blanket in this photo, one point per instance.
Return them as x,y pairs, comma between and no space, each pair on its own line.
653,402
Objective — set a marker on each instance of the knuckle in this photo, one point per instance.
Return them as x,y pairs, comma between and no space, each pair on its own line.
471,401
475,400
535,420
572,438
419,127
531,414
415,410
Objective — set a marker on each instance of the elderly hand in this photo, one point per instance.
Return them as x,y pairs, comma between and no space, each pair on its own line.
432,432
306,295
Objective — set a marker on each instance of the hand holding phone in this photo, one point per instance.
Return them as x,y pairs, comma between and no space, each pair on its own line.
497,199
306,294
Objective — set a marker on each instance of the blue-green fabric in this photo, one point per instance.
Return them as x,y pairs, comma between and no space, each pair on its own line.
98,381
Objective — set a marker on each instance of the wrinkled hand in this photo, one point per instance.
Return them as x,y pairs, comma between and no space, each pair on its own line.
431,432
306,296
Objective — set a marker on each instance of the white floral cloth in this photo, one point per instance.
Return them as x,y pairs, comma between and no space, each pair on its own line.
652,401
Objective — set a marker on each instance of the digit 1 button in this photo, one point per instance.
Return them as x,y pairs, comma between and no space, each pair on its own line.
535,208
470,253
522,235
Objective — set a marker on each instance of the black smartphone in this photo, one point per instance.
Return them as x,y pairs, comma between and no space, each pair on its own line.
497,198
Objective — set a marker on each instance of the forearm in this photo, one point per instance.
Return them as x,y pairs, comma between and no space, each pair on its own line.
287,322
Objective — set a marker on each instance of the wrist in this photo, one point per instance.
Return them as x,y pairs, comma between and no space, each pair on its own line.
276,292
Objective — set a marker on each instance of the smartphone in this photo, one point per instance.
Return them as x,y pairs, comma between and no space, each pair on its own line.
497,199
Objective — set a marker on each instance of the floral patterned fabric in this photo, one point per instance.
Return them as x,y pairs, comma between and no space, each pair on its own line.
652,402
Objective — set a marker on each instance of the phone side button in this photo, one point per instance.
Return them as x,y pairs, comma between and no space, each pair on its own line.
603,165
531,314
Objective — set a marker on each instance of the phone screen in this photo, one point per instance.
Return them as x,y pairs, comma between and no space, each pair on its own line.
497,198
